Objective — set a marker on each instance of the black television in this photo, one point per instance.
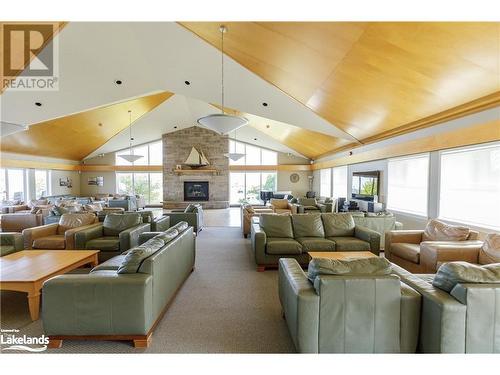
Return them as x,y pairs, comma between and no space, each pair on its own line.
365,185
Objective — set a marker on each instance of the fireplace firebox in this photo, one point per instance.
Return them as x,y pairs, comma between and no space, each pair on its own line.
196,190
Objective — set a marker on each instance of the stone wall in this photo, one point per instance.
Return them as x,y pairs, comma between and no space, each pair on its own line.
176,148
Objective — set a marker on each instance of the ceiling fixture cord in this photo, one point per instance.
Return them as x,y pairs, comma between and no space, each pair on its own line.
222,123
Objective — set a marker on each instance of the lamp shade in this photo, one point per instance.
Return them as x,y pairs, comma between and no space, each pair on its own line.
234,156
130,158
222,123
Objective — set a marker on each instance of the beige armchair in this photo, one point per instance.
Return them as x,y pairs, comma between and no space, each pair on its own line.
417,253
247,213
282,206
58,236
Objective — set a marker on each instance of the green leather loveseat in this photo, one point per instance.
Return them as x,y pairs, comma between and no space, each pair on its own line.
10,242
293,236
117,233
122,298
356,306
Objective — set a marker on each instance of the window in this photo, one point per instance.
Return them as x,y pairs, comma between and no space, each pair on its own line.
339,187
325,182
150,185
3,185
408,184
253,155
470,186
152,154
246,187
41,183
15,184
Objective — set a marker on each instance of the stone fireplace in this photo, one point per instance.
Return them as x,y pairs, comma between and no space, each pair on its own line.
215,177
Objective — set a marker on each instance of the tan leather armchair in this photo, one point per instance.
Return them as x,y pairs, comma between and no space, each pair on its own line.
281,206
58,236
247,213
18,222
408,249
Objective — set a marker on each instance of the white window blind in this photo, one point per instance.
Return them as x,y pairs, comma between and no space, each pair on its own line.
407,187
325,179
470,186
339,182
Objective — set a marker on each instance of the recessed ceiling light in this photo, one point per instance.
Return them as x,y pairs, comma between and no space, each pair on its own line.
118,81
265,104
268,126
175,127
187,83
99,124
38,104
255,139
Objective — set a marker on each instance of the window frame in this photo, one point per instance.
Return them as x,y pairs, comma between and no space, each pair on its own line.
245,173
261,149
133,173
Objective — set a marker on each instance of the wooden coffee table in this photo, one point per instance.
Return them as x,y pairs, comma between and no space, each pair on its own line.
26,271
341,255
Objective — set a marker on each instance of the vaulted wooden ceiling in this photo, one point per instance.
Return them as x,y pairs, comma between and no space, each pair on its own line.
75,136
374,79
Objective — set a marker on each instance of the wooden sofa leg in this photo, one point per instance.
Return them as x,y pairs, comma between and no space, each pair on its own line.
142,343
55,344
261,268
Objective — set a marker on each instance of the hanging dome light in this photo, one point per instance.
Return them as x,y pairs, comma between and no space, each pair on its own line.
234,156
130,157
222,123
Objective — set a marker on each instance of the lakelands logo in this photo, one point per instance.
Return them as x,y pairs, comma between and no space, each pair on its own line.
30,57
26,343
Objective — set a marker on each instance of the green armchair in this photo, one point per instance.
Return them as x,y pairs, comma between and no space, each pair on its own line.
118,232
193,215
10,243
310,205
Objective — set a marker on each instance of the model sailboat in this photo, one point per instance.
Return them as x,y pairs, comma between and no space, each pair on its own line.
196,159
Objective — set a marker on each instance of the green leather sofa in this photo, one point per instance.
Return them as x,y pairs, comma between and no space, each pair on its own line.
117,233
463,320
348,313
193,215
122,298
10,243
292,236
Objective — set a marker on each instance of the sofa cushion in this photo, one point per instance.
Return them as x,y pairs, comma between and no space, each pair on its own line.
350,244
168,236
69,221
338,225
316,244
181,226
104,244
307,201
375,266
115,223
407,251
276,225
490,251
307,226
111,264
134,257
279,203
282,211
453,273
37,202
50,242
437,230
283,246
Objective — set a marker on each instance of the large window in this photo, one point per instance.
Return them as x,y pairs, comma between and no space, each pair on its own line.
325,182
339,187
152,154
150,185
12,184
41,183
408,184
470,186
253,155
246,187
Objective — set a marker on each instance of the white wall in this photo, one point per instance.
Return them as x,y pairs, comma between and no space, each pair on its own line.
298,189
55,175
109,186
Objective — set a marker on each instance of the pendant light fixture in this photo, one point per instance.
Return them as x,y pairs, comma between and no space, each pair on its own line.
130,157
221,122
234,156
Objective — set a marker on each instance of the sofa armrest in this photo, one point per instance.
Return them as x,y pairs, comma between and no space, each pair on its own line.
160,224
259,239
296,208
398,225
370,236
300,305
322,207
146,236
129,238
11,239
122,303
434,252
31,234
401,236
69,235
85,235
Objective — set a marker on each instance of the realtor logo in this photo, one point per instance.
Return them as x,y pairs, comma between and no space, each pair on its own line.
23,343
30,57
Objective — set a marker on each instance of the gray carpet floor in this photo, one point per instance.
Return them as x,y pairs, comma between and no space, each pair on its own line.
225,306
